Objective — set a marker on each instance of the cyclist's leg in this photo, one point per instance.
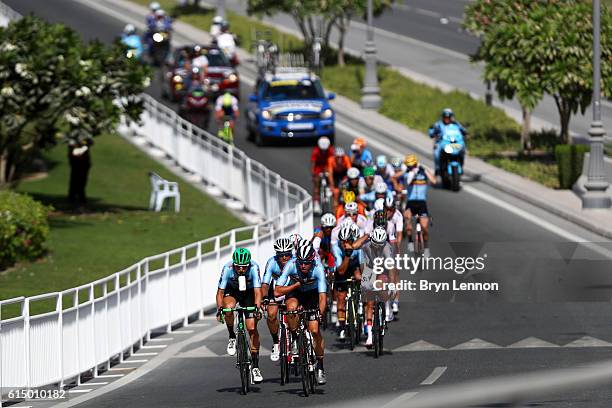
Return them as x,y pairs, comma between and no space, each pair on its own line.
273,321
229,301
315,185
341,291
292,320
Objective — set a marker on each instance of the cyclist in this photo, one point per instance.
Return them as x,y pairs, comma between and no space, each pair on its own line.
377,246
351,210
395,222
361,157
200,61
240,283
321,240
337,168
348,265
283,247
415,181
349,197
369,180
319,158
380,192
436,132
226,105
303,283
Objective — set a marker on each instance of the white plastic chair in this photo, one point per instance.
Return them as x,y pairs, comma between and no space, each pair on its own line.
162,189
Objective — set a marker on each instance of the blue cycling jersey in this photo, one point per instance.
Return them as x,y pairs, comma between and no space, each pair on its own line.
314,280
371,196
417,189
229,277
273,271
356,256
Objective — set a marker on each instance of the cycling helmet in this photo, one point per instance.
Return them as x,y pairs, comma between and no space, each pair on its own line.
197,49
217,20
447,113
380,188
227,100
306,253
224,25
339,152
389,202
160,13
410,160
379,204
195,71
355,230
129,29
302,242
283,245
352,173
348,196
154,6
378,236
241,257
380,219
369,171
346,221
396,162
360,141
346,233
323,143
328,220
381,161
294,238
351,208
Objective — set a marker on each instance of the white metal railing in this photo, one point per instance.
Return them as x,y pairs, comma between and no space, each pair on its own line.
107,318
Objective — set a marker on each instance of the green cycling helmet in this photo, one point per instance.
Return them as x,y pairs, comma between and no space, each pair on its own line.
241,257
369,171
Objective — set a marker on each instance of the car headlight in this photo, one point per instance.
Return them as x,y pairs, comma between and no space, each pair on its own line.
327,113
177,78
214,87
266,114
158,37
449,149
232,78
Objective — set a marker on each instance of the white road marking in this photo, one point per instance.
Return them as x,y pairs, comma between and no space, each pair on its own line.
110,376
475,344
183,332
121,369
95,383
134,361
164,339
420,345
425,12
80,391
434,376
532,342
401,399
145,354
155,347
588,341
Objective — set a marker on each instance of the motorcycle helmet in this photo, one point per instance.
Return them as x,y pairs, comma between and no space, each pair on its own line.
129,29
154,6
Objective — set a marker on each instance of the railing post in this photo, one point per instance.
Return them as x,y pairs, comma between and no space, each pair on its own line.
186,307
300,218
233,240
105,294
200,277
247,183
281,221
218,252
267,194
146,308
167,268
26,324
75,304
230,164
256,241
60,323
1,381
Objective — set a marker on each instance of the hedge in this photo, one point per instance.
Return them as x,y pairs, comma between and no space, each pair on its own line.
23,228
569,160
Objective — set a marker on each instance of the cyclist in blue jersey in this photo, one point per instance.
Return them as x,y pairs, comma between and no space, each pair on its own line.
349,264
284,252
415,181
303,283
240,283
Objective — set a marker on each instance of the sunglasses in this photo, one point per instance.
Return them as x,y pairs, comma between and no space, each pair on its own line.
241,268
301,262
351,214
284,255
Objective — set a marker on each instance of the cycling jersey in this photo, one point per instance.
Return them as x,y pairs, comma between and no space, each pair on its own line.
271,275
370,198
356,257
361,223
314,280
321,159
374,267
229,277
361,210
338,171
416,184
391,228
363,159
228,109
323,247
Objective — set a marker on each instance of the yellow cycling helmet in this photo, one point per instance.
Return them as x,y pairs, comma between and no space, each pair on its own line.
348,196
410,160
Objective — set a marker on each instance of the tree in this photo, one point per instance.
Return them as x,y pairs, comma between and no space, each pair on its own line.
537,47
56,88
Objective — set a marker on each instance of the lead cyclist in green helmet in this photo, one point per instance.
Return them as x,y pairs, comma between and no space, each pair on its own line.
226,110
240,283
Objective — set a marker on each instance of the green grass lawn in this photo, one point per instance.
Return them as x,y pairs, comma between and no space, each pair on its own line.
116,229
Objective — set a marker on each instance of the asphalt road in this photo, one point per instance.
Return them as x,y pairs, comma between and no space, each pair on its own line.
546,294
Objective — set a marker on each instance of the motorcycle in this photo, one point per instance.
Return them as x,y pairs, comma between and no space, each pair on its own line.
195,106
160,46
134,47
452,154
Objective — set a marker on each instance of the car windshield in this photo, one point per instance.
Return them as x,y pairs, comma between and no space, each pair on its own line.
282,90
217,59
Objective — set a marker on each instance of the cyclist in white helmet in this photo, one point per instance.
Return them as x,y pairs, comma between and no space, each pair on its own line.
319,159
283,247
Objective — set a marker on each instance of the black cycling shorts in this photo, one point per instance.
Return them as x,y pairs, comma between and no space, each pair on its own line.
244,299
308,300
350,272
417,207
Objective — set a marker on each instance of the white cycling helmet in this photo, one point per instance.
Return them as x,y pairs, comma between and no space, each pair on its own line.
351,208
328,220
160,13
355,230
352,173
381,161
381,187
346,233
323,143
339,152
379,235
379,204
283,245
389,202
306,253
346,222
218,20
129,29
154,6
302,242
294,238
396,162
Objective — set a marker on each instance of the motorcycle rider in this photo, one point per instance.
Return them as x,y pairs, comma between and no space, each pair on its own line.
215,28
319,158
153,7
227,43
161,22
132,40
437,130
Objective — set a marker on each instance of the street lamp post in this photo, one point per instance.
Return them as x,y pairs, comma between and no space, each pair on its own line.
370,93
221,8
596,185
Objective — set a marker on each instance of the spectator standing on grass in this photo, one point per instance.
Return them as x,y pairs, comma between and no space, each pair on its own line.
80,163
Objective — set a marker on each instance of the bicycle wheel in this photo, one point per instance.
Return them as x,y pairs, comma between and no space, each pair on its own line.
382,328
243,365
303,362
358,319
284,362
350,322
312,364
376,331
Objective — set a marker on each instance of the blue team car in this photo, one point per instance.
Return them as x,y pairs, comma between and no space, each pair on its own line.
289,103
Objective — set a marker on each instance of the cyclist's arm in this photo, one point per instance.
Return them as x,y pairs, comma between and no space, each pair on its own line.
219,297
342,260
282,286
322,302
430,176
360,241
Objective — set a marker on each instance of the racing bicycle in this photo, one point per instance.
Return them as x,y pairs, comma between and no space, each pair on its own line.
306,358
243,355
325,194
226,133
354,312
